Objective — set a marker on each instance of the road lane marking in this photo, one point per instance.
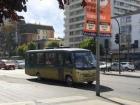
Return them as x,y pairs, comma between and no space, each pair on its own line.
90,102
20,103
126,102
62,99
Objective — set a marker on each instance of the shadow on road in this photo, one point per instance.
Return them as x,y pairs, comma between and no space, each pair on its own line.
83,86
110,100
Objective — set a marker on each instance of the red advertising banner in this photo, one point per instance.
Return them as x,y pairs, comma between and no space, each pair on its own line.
90,21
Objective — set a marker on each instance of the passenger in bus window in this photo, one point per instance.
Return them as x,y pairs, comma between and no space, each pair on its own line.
68,60
48,60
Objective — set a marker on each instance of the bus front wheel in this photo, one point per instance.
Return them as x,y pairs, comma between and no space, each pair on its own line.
69,81
90,82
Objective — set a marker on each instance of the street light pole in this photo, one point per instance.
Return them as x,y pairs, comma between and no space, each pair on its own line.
119,45
98,50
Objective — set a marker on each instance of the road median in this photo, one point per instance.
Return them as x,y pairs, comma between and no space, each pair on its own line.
135,74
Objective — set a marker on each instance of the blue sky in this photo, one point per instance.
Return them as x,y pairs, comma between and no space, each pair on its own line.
45,12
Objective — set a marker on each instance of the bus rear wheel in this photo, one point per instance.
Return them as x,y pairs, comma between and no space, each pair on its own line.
38,76
69,81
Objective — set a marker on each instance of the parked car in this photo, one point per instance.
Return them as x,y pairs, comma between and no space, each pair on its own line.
103,65
8,64
20,64
2,64
115,66
128,66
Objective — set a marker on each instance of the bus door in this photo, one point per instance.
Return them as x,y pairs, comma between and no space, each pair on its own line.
60,65
68,64
64,65
51,71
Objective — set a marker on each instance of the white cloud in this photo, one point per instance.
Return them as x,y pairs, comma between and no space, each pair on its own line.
45,12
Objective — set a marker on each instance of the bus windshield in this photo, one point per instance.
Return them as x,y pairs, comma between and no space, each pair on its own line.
84,60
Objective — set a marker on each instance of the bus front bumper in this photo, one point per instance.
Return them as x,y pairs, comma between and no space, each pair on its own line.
86,76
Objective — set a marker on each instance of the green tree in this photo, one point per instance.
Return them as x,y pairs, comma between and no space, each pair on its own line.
67,2
31,46
90,44
22,49
53,44
7,40
9,9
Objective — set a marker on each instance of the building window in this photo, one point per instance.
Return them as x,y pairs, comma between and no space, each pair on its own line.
38,37
128,19
43,37
71,40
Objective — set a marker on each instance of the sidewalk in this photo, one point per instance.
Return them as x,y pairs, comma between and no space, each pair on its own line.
135,74
19,73
77,100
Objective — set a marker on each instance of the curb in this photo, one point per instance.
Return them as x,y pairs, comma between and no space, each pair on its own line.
122,75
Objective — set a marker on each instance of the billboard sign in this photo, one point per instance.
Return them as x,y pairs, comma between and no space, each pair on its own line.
90,21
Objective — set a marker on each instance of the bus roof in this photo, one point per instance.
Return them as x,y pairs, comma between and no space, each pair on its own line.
59,49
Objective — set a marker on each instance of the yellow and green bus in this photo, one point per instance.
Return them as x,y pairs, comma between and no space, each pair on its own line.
64,64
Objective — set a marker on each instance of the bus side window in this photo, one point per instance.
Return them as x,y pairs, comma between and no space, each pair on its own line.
47,59
50,58
68,60
40,58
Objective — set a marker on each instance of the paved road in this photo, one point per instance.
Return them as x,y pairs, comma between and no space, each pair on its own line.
15,86
124,87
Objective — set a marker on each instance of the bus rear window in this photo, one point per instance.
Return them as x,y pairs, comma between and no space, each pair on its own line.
32,59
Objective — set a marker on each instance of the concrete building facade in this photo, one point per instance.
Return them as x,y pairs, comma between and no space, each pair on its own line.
130,30
120,7
34,32
74,18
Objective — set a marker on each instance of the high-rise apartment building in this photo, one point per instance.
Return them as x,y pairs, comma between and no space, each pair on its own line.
73,23
74,18
120,7
124,6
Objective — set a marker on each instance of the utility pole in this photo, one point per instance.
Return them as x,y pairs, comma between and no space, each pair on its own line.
106,59
16,34
119,54
106,45
98,50
128,47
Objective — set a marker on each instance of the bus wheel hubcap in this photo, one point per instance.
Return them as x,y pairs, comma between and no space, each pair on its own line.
69,81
